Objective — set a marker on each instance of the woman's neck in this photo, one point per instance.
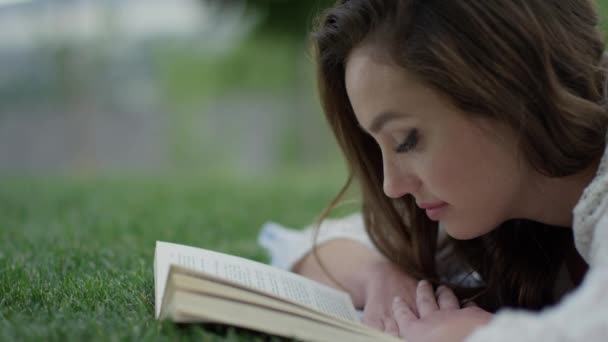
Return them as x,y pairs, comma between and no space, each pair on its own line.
551,200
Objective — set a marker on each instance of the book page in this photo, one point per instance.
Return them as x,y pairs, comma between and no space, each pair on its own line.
196,283
194,307
259,276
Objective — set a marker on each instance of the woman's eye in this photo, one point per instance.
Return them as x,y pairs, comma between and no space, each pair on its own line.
409,143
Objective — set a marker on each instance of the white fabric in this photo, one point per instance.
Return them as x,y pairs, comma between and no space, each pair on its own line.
287,246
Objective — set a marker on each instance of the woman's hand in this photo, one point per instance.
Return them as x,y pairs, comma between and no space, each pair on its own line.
384,282
438,316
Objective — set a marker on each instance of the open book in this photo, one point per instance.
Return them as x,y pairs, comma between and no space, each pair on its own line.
198,285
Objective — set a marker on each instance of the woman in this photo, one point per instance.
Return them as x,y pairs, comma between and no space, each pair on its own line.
485,120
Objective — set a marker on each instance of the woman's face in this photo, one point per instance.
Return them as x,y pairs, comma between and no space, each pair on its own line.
465,172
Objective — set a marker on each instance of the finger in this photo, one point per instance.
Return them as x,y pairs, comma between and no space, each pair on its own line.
402,311
373,321
446,299
390,326
425,299
470,304
403,315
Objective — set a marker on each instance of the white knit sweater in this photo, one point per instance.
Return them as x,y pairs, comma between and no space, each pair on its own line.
581,316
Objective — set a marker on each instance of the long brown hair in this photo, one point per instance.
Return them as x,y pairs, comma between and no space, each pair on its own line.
534,65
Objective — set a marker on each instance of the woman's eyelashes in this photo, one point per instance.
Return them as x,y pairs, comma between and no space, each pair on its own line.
409,143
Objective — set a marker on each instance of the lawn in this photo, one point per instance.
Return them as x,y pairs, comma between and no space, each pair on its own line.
76,254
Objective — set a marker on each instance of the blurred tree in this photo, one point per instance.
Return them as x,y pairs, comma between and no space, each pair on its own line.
289,17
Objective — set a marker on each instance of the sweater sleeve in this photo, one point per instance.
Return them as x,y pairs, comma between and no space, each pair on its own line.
581,316
287,246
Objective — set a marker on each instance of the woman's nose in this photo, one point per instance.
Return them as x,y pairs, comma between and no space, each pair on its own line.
399,182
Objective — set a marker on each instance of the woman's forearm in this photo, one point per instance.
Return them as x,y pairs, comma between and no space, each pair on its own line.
349,262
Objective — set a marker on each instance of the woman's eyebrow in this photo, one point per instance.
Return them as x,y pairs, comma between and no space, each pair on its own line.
383,118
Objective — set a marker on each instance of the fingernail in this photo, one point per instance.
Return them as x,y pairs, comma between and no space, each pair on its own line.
422,282
397,299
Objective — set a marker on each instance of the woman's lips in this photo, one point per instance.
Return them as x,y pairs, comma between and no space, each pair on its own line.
434,210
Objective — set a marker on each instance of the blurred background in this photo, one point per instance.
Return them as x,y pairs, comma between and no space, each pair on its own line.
97,87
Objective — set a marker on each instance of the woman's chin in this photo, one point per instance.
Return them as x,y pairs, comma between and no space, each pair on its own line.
460,232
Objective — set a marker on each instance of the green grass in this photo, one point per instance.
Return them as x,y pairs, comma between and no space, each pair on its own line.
76,254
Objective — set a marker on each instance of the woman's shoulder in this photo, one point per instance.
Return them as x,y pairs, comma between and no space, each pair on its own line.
596,238
591,218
